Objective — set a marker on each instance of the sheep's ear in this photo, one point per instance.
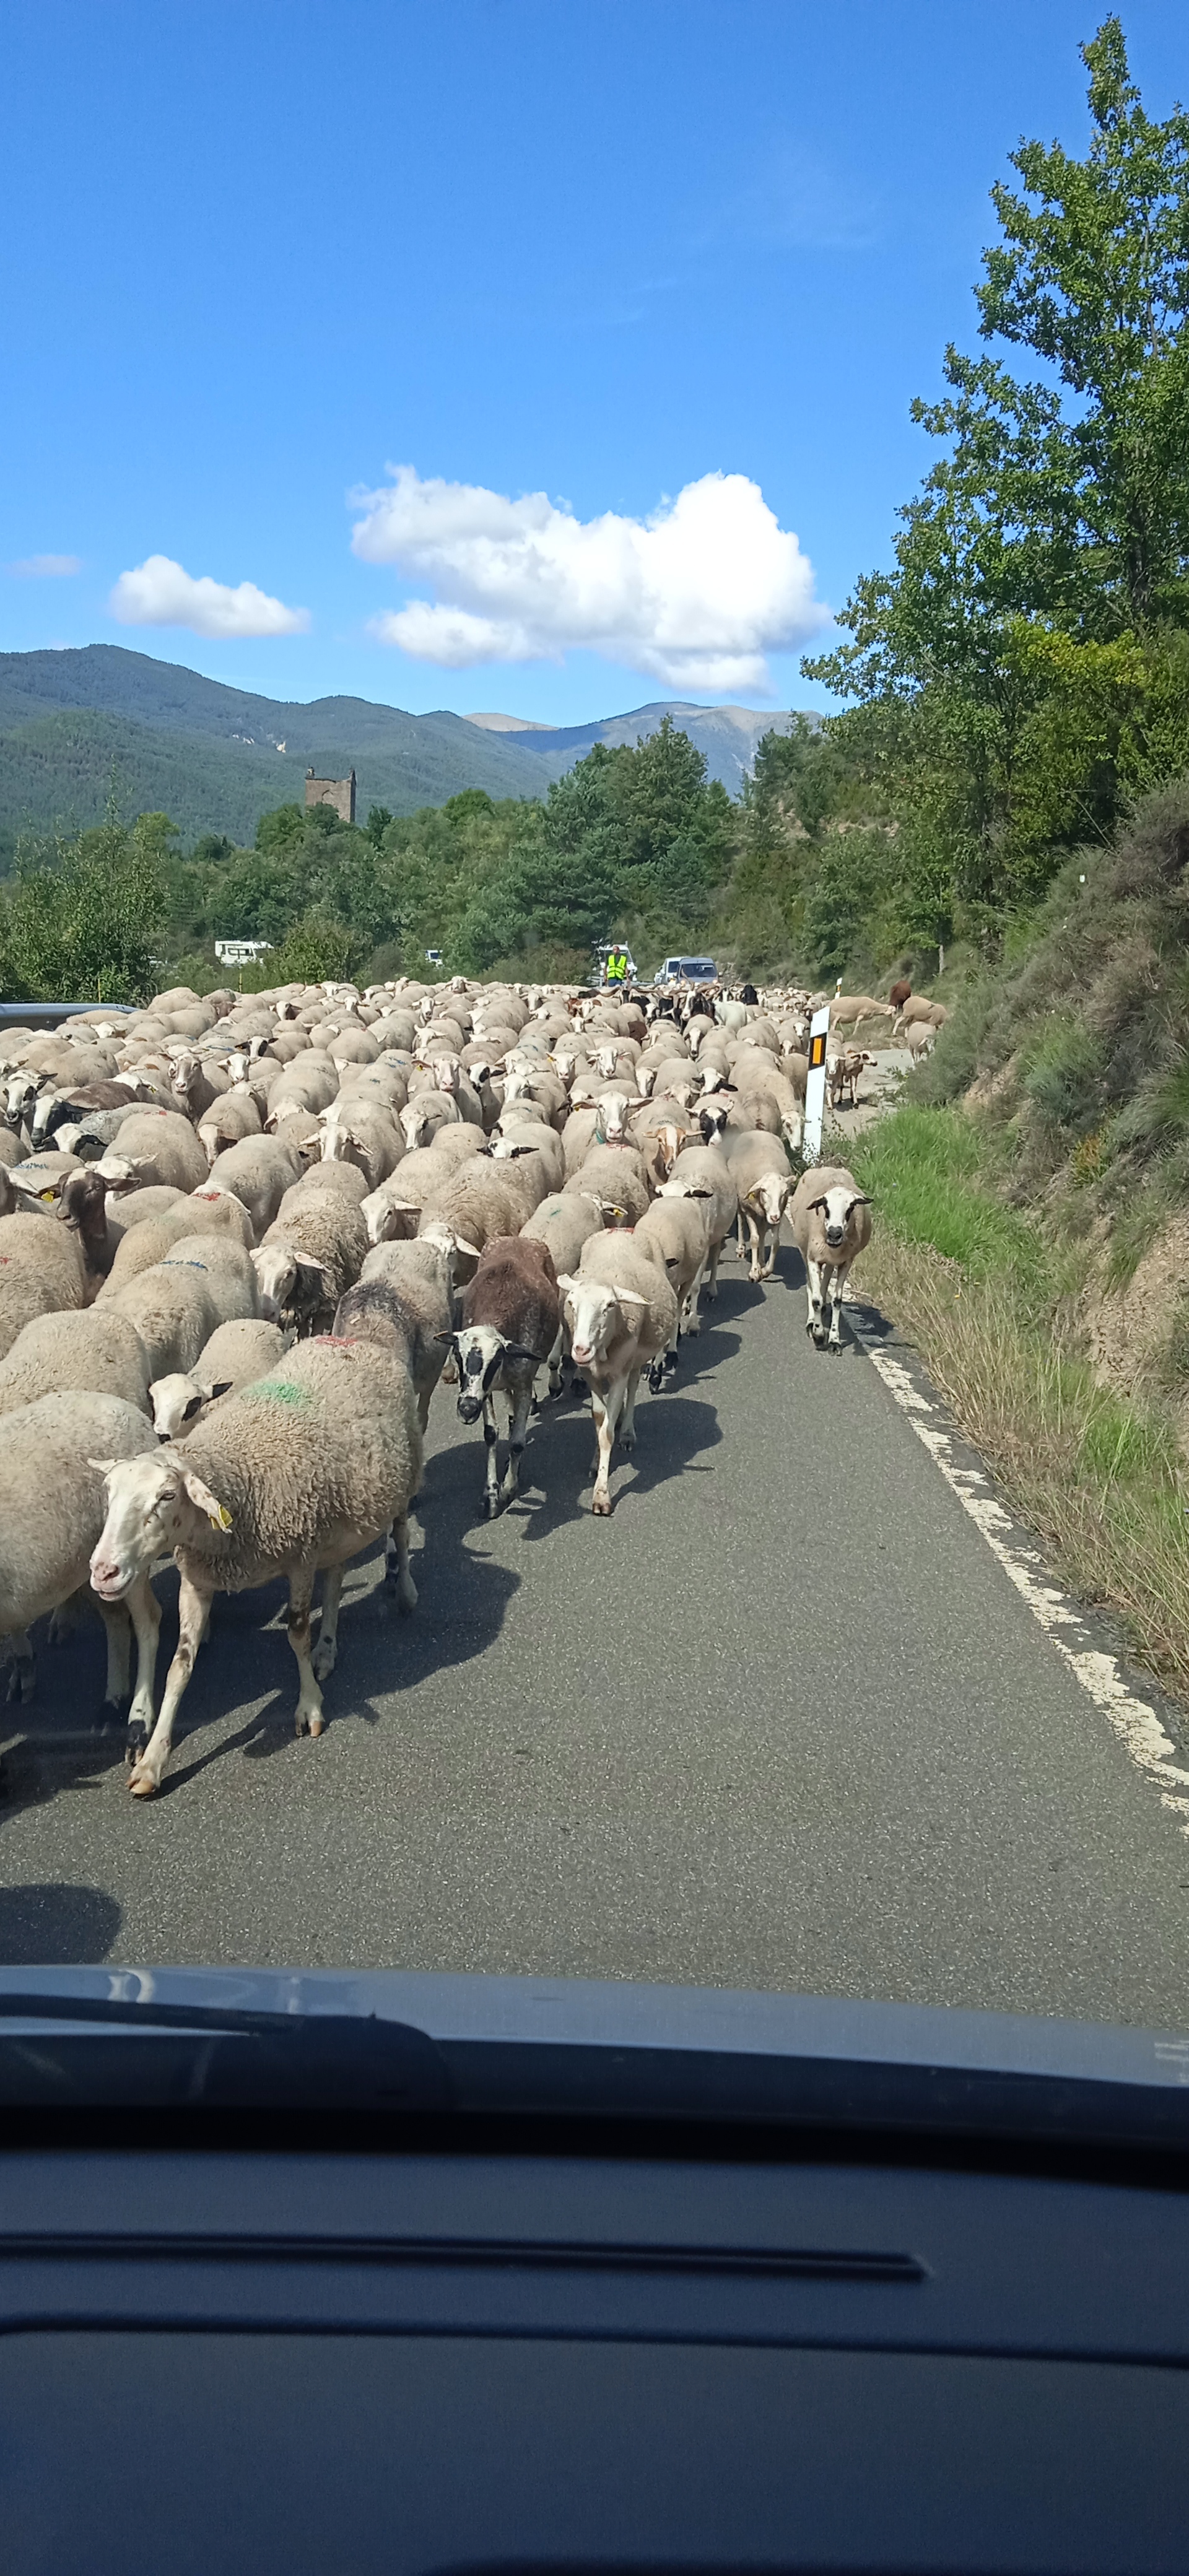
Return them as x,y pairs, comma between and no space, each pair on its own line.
204,1501
103,1466
817,1203
447,1338
217,1386
862,1202
628,1297
516,1351
564,1280
471,1249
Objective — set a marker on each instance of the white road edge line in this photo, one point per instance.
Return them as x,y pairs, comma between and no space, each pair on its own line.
1135,1724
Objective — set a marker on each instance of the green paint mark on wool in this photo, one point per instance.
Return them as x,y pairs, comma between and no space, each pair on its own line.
281,1391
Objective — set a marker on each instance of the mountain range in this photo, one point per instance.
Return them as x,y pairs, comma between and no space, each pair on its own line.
216,758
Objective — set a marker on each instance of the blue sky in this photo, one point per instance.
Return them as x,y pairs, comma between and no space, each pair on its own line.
253,254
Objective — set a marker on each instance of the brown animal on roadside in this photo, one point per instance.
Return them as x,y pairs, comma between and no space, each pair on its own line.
900,992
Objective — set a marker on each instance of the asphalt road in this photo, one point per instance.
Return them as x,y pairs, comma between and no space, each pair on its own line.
783,1721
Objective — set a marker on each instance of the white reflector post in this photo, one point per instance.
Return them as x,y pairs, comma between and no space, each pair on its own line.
815,1088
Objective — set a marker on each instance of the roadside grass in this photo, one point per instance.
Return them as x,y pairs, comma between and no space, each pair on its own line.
978,1287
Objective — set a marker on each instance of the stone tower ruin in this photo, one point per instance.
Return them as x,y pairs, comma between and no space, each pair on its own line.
339,792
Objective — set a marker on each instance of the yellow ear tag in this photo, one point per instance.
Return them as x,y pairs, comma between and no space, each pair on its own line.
48,1196
222,1517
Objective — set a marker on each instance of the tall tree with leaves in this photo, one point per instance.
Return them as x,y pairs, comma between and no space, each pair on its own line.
1046,559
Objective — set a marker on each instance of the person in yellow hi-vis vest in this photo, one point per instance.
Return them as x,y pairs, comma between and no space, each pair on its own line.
615,970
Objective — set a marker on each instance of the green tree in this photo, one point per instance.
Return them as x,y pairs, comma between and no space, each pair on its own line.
1054,528
84,918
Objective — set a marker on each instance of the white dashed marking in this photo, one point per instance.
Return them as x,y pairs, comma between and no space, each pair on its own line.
1131,1719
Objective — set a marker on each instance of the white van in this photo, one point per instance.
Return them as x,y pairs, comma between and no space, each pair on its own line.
686,970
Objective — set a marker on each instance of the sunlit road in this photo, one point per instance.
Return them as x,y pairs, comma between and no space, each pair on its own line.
782,1721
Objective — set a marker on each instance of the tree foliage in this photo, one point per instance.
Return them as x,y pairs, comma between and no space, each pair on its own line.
1019,672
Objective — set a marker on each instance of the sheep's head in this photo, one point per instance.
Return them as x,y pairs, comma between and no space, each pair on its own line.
178,1400
154,1504
289,1282
769,1196
598,1317
481,1354
836,1207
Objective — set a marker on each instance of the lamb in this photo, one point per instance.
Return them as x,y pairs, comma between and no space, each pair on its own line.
698,1168
405,1299
258,1171
920,1039
236,1355
831,1222
510,1325
51,1512
295,1475
622,1317
157,1145
311,1255
204,1280
680,1231
765,1185
88,1348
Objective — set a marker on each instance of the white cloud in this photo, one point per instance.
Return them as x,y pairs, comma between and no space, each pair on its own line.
160,593
46,567
696,595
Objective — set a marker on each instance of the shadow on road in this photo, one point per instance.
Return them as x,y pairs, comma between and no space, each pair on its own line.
46,1926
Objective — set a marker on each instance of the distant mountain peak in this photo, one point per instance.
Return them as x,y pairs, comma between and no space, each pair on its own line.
508,724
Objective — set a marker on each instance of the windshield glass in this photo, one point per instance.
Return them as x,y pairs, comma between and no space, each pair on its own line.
523,1450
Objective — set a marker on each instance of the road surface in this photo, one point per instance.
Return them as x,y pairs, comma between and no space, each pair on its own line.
783,1721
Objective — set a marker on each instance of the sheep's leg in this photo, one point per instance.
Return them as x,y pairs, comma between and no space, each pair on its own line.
148,1767
519,1404
491,1489
145,1613
117,1630
23,1672
605,1422
837,1285
755,1231
326,1651
308,1712
627,1419
692,1321
555,1362
814,1322
740,1251
711,1274
397,1577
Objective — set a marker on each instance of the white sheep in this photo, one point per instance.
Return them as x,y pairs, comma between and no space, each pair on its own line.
87,1348
765,1184
204,1280
236,1354
621,1315
295,1475
831,1222
51,1513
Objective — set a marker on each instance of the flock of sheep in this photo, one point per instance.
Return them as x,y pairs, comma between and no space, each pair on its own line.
242,1237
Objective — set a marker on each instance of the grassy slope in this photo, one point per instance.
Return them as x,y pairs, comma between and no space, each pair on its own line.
1043,1154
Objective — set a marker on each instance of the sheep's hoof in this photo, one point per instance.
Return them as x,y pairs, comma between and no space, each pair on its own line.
601,1505
323,1658
136,1741
656,1380
627,1442
489,1506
